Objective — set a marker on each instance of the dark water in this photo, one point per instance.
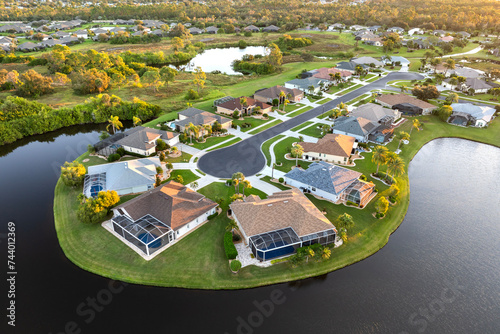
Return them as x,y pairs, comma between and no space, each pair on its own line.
439,273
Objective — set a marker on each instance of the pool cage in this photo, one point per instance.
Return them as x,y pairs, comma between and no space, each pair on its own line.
93,184
147,233
282,242
358,192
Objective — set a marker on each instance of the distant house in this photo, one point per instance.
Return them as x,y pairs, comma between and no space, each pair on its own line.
199,117
358,127
350,66
396,59
397,30
142,140
271,28
464,34
159,218
82,33
357,27
61,34
389,100
280,224
332,182
267,95
195,31
328,74
331,148
310,85
212,30
374,28
6,41
69,40
29,46
465,72
477,85
369,61
415,31
50,43
229,107
125,177
251,28
375,41
478,116
446,39
376,113
439,33
336,26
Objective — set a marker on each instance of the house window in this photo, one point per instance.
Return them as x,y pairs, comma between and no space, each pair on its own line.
313,189
188,226
177,232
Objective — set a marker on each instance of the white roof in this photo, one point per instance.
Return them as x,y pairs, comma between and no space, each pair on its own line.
478,112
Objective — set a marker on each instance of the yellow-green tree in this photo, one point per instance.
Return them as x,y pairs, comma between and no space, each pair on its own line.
199,78
73,173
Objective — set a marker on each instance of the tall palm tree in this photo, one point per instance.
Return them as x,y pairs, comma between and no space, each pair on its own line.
415,124
281,98
194,185
246,184
115,123
238,177
236,184
449,65
208,128
192,129
297,150
231,226
311,89
452,97
338,77
379,156
342,106
403,135
285,103
396,167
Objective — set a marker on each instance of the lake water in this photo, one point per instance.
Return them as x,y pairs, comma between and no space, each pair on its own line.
221,59
439,273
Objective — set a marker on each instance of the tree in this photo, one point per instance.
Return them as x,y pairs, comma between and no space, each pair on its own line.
403,136
73,173
192,129
136,120
449,65
379,156
246,184
297,152
90,81
168,74
396,167
237,178
177,43
452,98
194,185
199,78
152,79
179,179
426,92
382,205
275,56
326,253
404,88
281,98
115,123
34,84
285,103
444,112
345,221
415,124
94,210
161,145
231,226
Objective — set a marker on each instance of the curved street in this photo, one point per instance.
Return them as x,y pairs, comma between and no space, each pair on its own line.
247,157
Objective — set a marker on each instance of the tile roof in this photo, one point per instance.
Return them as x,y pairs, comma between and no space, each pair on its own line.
139,137
349,66
403,98
333,144
290,208
355,125
322,175
478,112
235,104
476,83
274,92
373,112
172,203
202,118
305,83
324,73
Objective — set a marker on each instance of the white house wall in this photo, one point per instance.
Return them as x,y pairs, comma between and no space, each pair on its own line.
318,192
194,223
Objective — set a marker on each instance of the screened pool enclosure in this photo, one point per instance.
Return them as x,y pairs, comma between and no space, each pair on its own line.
269,245
146,233
93,184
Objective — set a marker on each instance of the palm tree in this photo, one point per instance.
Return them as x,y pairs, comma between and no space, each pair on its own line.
310,253
136,120
246,184
194,185
311,89
338,77
396,167
208,128
297,150
452,97
449,65
285,103
379,156
325,129
192,129
342,106
326,253
236,184
404,88
403,135
231,226
415,124
238,177
115,123
281,98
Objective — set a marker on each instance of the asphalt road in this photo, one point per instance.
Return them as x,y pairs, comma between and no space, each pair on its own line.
247,157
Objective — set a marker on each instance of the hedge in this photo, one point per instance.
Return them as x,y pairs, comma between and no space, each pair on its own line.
231,251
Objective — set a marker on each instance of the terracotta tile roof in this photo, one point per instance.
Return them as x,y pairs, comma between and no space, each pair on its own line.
172,203
333,144
235,104
290,208
324,73
274,92
200,117
403,98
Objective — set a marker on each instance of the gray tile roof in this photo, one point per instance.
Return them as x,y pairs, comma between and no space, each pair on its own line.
355,125
349,66
476,83
304,84
373,112
139,137
325,176
200,117
478,112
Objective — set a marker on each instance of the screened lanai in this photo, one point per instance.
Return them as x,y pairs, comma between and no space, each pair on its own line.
273,244
93,184
358,192
147,233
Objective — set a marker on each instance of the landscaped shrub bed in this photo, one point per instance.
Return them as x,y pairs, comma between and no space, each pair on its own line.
229,248
235,265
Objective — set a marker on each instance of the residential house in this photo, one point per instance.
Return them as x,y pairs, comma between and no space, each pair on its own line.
310,85
212,30
247,108
61,34
374,28
328,74
397,30
333,148
157,219
357,27
465,72
446,39
251,28
369,61
358,127
29,46
375,41
142,140
350,66
332,182
439,33
478,116
271,28
199,117
475,86
376,113
267,95
124,177
336,26
396,59
464,34
195,31
280,224
82,33
50,43
415,31
6,41
69,40
390,101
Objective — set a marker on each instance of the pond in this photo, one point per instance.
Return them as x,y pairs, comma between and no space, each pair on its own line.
221,59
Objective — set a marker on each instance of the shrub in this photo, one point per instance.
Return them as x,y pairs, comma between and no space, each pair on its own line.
235,265
90,148
121,151
192,95
242,44
179,179
236,114
351,203
212,216
281,180
229,248
113,157
236,237
165,127
362,177
248,34
161,145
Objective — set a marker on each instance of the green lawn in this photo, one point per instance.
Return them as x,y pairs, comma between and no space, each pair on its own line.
313,131
265,127
255,122
282,148
335,89
351,89
301,111
292,107
266,145
184,157
303,125
211,141
276,184
229,143
220,190
187,176
324,100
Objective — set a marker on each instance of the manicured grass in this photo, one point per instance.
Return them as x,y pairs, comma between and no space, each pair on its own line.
220,190
282,148
199,171
198,260
313,131
265,127
301,111
229,143
92,160
255,122
335,89
415,65
266,145
187,176
211,141
292,107
184,157
324,100
303,125
351,89
276,184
